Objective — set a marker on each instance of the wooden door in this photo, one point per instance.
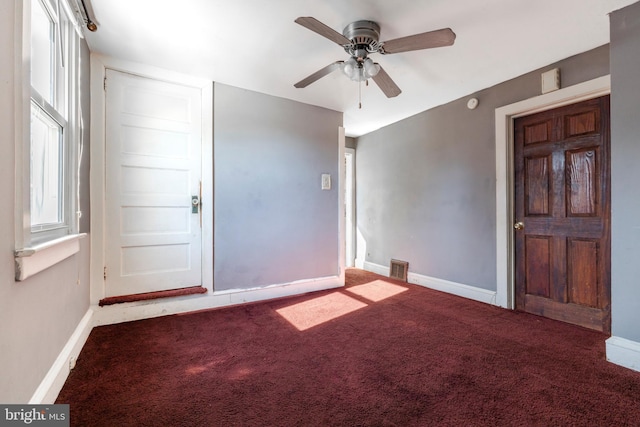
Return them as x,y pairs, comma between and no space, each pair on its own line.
153,172
562,214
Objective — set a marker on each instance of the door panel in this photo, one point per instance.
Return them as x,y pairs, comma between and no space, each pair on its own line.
562,199
538,266
537,178
583,271
582,185
153,168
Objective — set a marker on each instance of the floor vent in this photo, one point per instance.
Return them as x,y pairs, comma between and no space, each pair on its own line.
399,270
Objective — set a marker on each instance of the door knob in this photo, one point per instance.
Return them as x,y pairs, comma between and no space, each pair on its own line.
195,204
518,225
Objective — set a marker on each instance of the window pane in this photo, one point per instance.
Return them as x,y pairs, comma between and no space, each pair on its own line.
46,170
42,51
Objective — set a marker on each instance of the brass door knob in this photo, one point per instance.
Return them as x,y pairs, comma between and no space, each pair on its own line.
518,225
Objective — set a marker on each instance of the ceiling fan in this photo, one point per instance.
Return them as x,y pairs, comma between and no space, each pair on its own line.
360,39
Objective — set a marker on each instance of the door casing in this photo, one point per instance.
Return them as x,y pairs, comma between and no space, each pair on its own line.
350,203
505,254
99,65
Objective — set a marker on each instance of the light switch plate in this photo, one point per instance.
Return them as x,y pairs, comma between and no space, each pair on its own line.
326,181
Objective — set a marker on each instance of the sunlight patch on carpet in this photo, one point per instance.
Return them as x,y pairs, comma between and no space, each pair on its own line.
316,311
377,290
240,373
237,373
199,369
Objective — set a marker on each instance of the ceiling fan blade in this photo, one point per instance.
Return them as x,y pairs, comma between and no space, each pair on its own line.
318,27
430,39
384,82
319,74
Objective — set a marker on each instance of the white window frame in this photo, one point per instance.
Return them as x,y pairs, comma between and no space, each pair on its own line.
41,247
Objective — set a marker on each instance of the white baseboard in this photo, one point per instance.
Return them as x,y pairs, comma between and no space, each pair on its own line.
50,387
623,352
376,268
127,312
466,291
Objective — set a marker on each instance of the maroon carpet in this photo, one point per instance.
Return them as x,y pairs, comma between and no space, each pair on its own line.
377,353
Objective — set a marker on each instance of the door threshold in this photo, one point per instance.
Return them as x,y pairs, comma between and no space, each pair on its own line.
152,295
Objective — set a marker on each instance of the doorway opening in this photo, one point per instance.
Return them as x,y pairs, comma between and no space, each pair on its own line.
349,204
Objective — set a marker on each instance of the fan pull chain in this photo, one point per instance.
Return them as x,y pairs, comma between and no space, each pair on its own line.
360,95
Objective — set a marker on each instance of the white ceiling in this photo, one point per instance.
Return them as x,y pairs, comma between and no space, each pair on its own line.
255,45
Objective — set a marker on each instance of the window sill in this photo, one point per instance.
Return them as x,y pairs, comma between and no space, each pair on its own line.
33,260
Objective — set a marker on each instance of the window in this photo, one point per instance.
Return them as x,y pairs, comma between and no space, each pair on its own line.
53,72
51,88
47,171
48,136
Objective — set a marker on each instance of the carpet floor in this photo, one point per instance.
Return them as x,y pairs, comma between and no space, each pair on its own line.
376,353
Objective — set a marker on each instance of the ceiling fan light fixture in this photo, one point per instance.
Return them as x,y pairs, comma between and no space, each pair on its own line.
350,67
359,71
370,68
353,69
358,74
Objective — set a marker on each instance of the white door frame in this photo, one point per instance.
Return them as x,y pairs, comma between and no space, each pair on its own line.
341,207
99,65
350,203
505,254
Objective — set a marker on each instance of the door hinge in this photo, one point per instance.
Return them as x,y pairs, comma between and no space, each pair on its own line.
104,273
104,83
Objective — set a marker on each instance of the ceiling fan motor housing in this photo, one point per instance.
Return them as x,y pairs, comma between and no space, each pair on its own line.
364,36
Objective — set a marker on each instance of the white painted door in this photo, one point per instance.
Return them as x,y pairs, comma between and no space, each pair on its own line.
153,169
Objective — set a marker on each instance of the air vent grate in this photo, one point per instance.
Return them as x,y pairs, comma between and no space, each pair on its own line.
399,270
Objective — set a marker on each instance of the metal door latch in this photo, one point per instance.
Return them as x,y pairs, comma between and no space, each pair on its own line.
195,204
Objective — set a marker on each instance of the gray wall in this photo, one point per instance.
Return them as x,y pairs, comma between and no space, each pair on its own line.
37,316
273,223
426,185
625,173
